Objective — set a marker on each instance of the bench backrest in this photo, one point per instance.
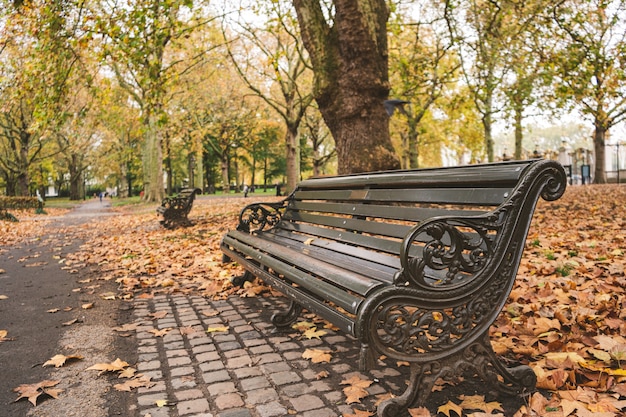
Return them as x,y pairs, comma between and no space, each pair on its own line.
377,211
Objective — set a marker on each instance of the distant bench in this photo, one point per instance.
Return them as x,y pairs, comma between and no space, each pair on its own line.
417,265
175,209
18,203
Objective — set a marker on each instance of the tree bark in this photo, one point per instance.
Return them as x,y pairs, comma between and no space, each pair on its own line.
153,161
599,175
351,79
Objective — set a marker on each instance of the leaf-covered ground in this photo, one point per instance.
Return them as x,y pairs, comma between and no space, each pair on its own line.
565,316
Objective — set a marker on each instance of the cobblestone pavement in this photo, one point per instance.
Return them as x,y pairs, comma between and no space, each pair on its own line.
245,371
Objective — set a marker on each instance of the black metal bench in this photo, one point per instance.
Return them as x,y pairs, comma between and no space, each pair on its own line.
175,209
19,203
417,265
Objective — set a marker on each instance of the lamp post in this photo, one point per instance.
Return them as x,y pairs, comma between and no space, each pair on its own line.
192,166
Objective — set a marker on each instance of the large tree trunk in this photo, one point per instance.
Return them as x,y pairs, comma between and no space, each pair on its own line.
153,161
351,79
599,175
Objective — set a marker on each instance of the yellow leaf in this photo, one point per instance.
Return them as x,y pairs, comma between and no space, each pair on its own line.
3,297
87,306
59,360
317,355
217,329
450,407
313,333
161,403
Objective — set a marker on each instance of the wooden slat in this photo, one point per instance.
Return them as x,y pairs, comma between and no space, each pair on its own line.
381,211
469,196
282,259
398,231
377,265
504,174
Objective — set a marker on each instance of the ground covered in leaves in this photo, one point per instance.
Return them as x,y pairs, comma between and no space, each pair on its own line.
565,316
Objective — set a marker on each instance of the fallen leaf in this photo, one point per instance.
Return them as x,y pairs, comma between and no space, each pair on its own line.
161,332
449,407
317,355
158,315
141,381
217,329
33,391
60,360
87,306
116,366
355,391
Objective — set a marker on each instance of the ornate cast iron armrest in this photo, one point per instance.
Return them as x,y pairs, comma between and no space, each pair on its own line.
461,247
256,217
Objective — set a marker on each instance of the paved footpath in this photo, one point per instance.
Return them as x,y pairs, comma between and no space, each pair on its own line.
246,371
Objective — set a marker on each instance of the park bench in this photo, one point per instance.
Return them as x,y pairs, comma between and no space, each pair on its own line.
175,209
416,265
19,203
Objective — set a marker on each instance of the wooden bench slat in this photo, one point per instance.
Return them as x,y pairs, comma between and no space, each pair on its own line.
282,259
504,174
380,211
373,264
351,225
469,196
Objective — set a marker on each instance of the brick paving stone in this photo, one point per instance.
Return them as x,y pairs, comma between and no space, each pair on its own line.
239,362
211,366
270,358
200,405
229,345
235,353
179,361
217,376
157,387
240,412
203,348
147,366
257,350
183,382
149,400
208,357
156,412
248,372
254,383
275,367
201,341
222,388
271,409
306,403
285,377
261,396
226,401
296,390
181,371
175,352
189,394
147,357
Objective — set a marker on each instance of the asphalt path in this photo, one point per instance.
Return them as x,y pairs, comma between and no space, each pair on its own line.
36,285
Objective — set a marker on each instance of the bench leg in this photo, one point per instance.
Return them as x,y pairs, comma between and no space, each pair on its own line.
478,358
283,321
240,280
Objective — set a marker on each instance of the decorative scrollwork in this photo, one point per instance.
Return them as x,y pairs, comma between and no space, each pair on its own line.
461,247
256,217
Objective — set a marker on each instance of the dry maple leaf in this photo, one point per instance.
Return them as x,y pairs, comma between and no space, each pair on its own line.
313,333
3,336
449,407
140,381
127,327
317,355
33,391
217,329
60,360
161,332
158,315
355,390
116,366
